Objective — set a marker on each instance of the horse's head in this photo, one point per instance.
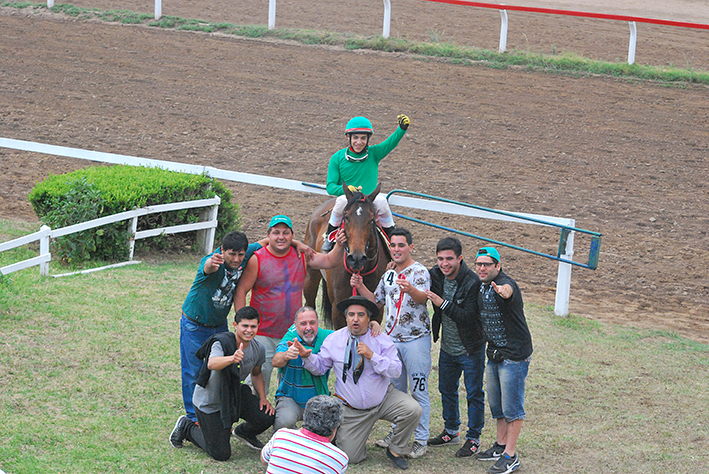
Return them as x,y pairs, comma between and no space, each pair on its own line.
360,221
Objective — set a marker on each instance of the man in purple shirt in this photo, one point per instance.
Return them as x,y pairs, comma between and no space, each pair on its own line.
363,366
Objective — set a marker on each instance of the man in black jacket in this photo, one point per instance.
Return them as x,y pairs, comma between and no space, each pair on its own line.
454,292
509,351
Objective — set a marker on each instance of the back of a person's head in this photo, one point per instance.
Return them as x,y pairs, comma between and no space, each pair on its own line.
322,415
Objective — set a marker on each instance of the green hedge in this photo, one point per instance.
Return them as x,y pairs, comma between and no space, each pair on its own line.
85,194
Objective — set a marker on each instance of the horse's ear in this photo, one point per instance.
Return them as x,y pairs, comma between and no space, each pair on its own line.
375,192
348,193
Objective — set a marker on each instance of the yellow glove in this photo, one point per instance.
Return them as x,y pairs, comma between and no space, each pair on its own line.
354,189
404,121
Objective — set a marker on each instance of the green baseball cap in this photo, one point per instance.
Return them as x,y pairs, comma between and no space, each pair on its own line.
281,219
489,252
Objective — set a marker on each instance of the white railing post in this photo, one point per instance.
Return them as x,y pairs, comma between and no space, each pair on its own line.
206,237
133,230
563,279
633,42
503,31
271,14
158,9
44,249
387,18
50,3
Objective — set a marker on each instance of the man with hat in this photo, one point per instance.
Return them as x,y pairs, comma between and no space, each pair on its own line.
509,351
275,276
363,366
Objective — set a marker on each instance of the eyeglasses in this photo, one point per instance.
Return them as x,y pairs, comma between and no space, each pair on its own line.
484,264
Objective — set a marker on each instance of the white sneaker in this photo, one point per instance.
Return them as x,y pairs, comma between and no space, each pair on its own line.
418,450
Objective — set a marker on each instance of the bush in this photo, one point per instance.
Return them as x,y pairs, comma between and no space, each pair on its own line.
89,193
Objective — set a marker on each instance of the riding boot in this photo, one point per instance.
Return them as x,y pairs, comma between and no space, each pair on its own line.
327,245
387,231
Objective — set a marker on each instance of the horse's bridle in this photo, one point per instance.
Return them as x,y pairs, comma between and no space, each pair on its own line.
374,258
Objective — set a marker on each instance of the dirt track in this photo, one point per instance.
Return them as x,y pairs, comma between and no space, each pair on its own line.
623,158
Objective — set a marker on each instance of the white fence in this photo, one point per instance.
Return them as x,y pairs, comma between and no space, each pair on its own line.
563,285
207,227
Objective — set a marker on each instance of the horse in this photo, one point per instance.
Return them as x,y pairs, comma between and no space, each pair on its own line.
366,253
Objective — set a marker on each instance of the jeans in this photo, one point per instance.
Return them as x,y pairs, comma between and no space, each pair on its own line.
449,369
505,388
192,336
416,367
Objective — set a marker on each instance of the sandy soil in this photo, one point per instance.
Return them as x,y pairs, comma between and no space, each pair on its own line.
624,158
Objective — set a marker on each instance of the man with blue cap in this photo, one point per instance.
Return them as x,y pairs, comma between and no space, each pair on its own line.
509,351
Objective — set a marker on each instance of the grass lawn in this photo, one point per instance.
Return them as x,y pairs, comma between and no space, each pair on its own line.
90,383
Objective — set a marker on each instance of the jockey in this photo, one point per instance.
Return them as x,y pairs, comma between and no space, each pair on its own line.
358,166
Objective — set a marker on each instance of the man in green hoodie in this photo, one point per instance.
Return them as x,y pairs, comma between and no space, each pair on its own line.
358,167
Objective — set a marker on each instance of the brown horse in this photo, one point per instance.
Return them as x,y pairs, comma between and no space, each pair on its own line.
367,252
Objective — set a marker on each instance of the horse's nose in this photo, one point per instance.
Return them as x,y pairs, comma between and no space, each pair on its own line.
356,261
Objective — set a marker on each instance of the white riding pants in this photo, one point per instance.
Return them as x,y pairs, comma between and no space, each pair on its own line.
384,217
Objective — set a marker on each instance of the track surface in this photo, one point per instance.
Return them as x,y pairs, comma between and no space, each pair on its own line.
623,158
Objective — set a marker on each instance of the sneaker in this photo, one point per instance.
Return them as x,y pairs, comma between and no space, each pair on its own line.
384,443
444,439
470,448
505,464
178,432
491,454
399,461
417,450
251,440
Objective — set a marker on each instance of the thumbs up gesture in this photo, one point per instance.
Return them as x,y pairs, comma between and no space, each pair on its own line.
239,354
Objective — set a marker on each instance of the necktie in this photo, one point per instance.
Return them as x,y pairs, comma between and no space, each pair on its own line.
353,359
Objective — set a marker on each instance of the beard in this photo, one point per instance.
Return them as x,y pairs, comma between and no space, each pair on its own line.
309,338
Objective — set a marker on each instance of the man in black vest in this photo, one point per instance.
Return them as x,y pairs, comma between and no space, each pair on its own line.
220,399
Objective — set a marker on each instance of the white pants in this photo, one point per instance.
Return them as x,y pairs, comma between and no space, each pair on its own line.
384,217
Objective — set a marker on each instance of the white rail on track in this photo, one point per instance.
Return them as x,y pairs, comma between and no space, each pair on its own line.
563,285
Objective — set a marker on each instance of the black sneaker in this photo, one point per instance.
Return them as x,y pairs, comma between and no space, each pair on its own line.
178,432
444,439
491,454
251,440
505,464
470,448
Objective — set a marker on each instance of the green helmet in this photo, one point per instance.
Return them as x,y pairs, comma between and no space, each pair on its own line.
359,125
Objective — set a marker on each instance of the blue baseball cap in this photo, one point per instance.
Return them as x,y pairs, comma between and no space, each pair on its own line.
281,219
489,252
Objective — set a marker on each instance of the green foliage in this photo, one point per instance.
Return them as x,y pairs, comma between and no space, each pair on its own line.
83,202
89,193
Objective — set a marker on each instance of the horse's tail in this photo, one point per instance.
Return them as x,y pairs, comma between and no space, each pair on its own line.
326,307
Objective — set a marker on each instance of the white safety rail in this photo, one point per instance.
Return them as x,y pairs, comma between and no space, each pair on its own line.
207,226
564,273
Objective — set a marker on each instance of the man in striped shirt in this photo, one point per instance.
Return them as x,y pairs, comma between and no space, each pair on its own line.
309,449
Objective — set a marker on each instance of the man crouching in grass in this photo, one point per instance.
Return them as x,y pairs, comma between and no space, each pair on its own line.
220,399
